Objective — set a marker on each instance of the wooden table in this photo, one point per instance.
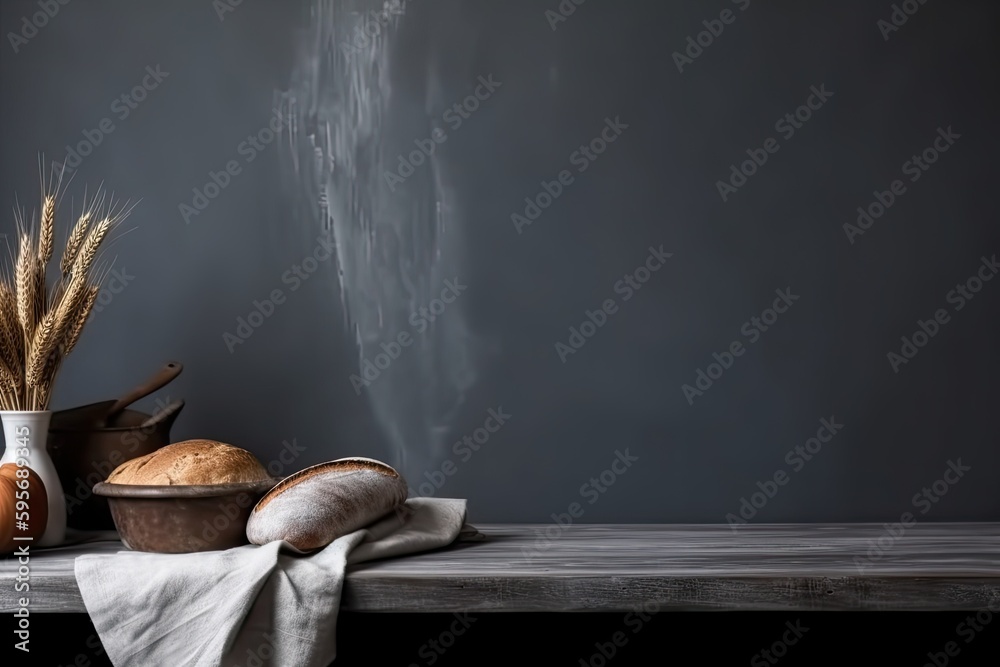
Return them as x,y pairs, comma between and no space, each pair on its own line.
603,568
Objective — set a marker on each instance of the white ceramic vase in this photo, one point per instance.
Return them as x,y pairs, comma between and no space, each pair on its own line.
25,435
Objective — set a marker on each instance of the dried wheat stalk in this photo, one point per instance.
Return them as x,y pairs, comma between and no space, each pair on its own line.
8,388
37,330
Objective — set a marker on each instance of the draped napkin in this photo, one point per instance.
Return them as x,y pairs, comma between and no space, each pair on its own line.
250,606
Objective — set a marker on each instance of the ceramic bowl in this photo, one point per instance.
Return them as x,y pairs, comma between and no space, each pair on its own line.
183,518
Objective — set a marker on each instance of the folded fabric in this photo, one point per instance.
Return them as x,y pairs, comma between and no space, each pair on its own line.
252,605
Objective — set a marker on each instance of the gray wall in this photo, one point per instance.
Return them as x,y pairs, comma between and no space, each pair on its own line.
656,184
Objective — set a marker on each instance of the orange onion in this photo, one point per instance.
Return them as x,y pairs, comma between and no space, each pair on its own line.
34,510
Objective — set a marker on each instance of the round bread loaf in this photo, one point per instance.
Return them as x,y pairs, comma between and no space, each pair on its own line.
191,462
315,506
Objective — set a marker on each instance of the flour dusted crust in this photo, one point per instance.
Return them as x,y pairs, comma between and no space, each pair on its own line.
191,462
317,505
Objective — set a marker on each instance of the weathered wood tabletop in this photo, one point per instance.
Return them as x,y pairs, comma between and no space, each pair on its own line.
596,568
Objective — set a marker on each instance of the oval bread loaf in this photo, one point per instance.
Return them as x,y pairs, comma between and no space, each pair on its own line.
315,506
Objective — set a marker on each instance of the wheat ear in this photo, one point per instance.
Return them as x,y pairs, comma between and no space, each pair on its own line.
41,295
25,277
88,250
51,329
43,389
11,344
80,318
73,243
47,229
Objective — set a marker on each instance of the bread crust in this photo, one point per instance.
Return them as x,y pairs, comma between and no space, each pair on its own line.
315,506
191,462
342,465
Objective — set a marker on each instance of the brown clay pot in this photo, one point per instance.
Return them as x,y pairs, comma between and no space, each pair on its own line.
85,454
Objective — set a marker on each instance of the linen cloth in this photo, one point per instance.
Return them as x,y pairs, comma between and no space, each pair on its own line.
249,606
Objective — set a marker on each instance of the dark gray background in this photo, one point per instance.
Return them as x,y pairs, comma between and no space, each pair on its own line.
655,185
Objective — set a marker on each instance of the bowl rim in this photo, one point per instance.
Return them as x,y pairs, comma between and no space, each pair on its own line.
110,490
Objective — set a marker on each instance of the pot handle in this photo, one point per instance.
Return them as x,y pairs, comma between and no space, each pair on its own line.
162,378
166,416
